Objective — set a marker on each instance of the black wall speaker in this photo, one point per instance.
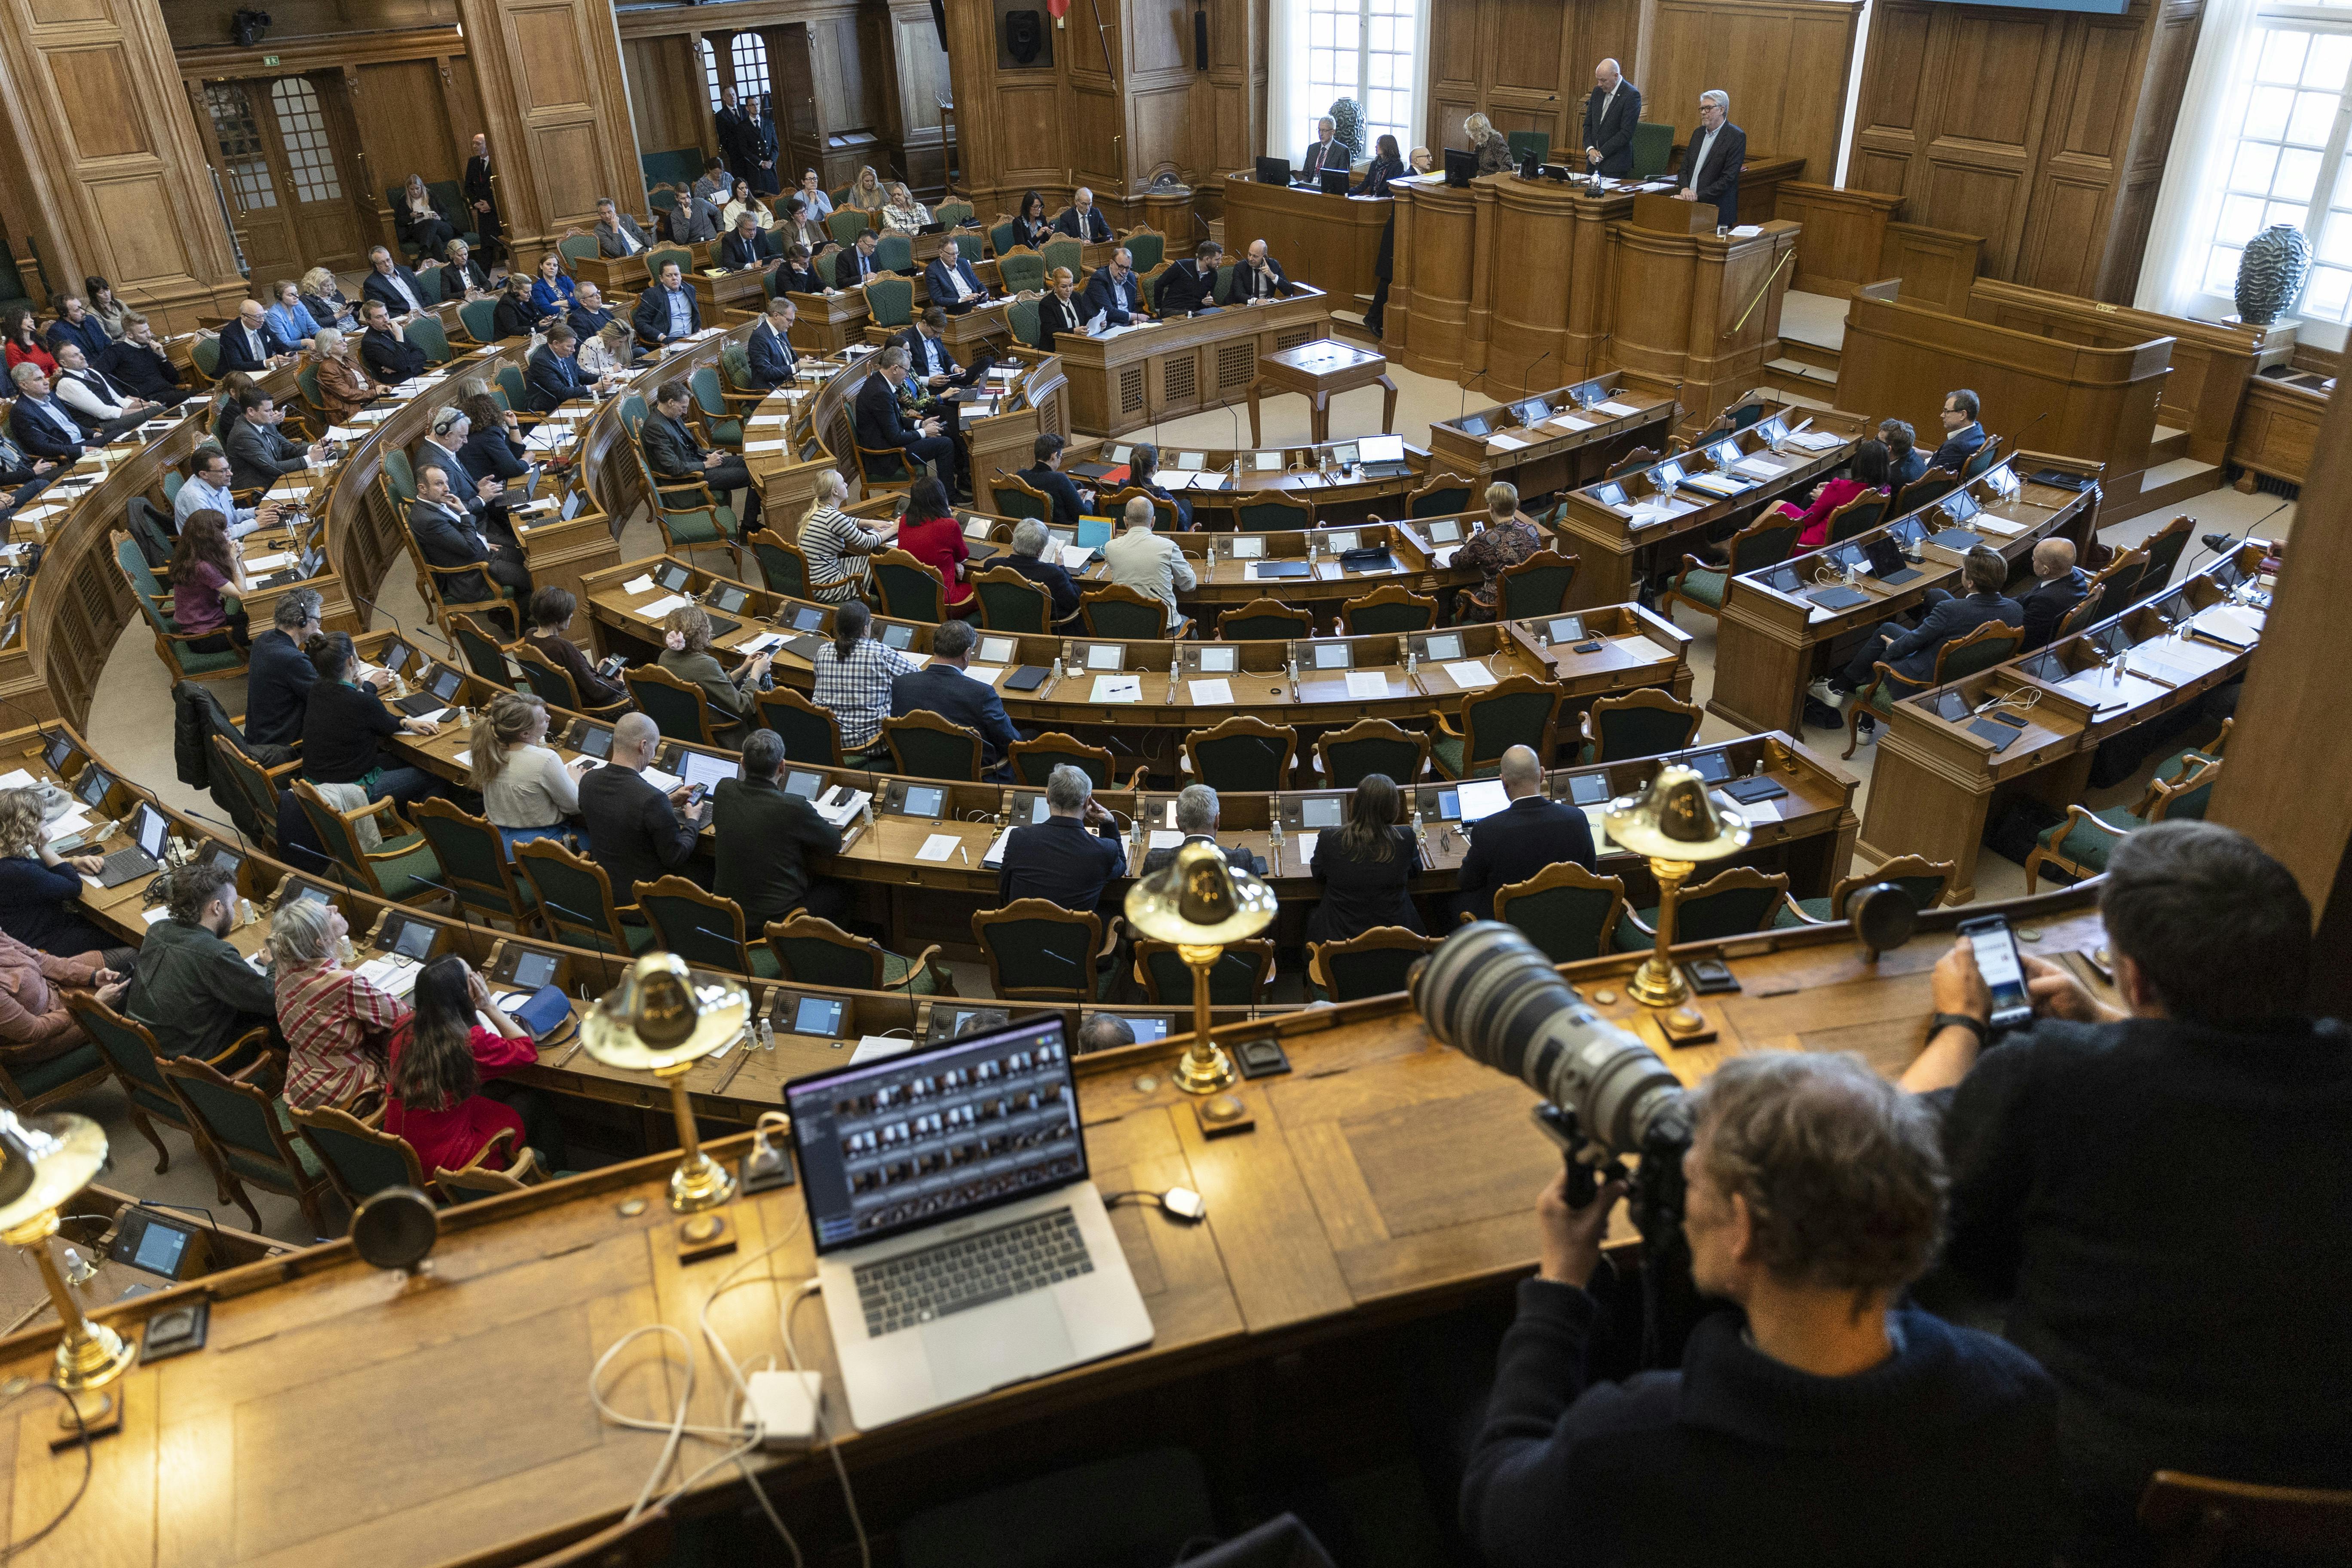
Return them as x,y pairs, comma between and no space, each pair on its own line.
1200,39
1024,31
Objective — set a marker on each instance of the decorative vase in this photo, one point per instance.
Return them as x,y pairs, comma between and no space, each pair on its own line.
1348,122
2271,273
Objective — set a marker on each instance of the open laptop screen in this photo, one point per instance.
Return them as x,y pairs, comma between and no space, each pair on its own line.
916,1141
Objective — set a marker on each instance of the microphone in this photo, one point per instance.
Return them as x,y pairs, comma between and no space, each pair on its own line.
1528,380
1465,407
455,898
375,608
586,924
2016,442
2221,544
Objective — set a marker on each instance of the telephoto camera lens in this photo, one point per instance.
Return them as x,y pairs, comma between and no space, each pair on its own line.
1492,995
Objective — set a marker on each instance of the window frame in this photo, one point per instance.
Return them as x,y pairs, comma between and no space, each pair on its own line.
1406,18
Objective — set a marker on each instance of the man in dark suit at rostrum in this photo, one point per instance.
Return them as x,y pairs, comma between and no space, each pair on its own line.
2059,585
401,291
762,839
447,537
769,350
633,831
879,426
1521,840
1609,116
1115,292
1911,653
482,200
1962,434
953,285
1711,167
666,312
1196,818
1082,219
1190,286
384,348
248,343
1327,152
676,458
1259,276
941,687
1058,859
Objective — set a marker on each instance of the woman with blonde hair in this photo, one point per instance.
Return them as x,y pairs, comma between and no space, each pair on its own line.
337,1026
904,214
1494,151
343,384
419,220
609,351
525,788
836,544
40,890
325,300
867,195
685,652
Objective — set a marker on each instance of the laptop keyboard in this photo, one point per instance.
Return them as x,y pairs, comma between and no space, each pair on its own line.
916,1286
124,863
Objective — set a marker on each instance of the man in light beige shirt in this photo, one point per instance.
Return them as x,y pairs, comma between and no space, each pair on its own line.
1143,561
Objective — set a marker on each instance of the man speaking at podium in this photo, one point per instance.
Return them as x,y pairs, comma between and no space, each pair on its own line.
1711,167
1609,116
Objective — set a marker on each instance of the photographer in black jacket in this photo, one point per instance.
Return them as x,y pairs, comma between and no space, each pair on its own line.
2161,1191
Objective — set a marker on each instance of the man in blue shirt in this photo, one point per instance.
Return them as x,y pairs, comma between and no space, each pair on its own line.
666,312
1058,859
954,286
943,686
208,487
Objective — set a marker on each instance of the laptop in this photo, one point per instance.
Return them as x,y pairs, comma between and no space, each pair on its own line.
960,1245
150,828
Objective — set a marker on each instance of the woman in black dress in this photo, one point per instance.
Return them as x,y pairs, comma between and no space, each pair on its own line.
1031,227
1366,868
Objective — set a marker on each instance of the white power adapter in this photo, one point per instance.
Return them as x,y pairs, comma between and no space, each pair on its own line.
780,1408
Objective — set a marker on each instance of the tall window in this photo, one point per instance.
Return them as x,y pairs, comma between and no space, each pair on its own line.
710,73
2285,118
1361,49
750,52
303,129
241,146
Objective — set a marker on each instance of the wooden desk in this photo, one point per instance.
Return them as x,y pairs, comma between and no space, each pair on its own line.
720,294
1135,376
1771,644
2279,429
1348,1206
1614,542
1314,474
1933,786
1331,242
1563,449
2097,402
1321,371
828,322
1696,308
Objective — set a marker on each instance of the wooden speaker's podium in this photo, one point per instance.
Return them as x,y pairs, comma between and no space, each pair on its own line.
1669,213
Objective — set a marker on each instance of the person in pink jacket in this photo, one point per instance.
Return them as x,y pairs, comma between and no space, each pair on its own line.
33,1024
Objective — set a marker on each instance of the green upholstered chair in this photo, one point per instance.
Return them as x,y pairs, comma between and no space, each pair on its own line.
678,706
702,928
781,565
1344,757
424,331
173,646
894,253
1264,620
204,353
720,422
1244,752
1732,903
1932,486
1923,879
1389,609
1537,586
402,867
1523,142
2163,548
927,745
1857,517
955,215
1021,269
479,318
1981,459
577,248
136,1062
1701,583
1565,910
484,654
1012,603
1146,246
251,1134
1039,952
909,589
1644,722
809,732
474,864
553,684
1033,762
889,303
1654,148
2081,846
360,1161
846,225
1001,238
1015,497
688,512
1981,649
1127,614
37,1086
1274,512
1022,315
1065,251
1371,963
814,952
1518,711
661,256
1440,495
574,897
1238,979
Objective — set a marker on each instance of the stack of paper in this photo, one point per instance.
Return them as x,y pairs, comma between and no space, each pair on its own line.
1469,672
662,607
1368,683
1615,409
1219,691
1815,441
841,805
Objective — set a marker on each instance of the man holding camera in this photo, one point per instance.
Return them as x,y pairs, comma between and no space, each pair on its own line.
1823,1421
2160,1191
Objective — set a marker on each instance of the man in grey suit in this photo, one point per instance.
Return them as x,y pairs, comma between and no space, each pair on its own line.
617,234
1711,166
1609,116
1196,818
257,454
695,221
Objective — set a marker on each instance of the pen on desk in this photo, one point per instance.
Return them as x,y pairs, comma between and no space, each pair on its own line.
733,1068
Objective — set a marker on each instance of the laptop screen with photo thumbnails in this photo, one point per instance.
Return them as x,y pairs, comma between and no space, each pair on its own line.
916,1141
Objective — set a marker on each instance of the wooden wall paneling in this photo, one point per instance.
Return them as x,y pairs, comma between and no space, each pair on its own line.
115,180
1783,62
556,102
1843,234
667,97
920,72
1938,269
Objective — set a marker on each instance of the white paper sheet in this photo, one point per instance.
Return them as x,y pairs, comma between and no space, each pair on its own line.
660,780
267,563
1165,839
1618,410
1219,692
879,1047
1469,672
663,605
1117,688
987,675
644,585
1368,683
938,846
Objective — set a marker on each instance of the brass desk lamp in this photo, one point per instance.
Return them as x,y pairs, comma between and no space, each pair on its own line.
43,1161
1200,903
1676,823
659,1020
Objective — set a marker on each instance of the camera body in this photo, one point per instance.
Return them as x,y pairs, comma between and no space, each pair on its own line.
1493,996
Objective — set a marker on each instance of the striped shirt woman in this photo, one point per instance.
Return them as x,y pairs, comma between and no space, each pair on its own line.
836,543
336,1024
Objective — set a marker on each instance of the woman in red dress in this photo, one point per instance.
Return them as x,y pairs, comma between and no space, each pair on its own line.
930,533
1866,472
439,1064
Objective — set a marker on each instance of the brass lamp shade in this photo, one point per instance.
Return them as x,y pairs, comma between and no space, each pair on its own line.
658,1020
43,1161
1676,818
1200,901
